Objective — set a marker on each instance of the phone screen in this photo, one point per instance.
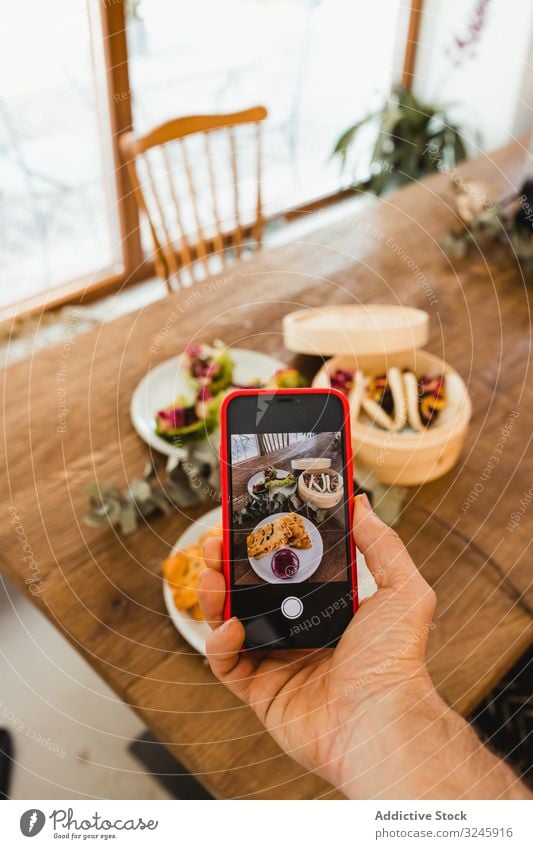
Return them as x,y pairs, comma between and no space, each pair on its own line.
291,554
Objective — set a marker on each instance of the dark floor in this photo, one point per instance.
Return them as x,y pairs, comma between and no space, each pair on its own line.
6,755
157,760
504,721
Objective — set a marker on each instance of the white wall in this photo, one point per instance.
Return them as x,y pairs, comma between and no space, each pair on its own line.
493,90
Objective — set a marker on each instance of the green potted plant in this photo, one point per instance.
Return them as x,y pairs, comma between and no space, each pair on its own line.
411,139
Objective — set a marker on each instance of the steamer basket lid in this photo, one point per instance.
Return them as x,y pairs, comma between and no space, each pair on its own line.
356,330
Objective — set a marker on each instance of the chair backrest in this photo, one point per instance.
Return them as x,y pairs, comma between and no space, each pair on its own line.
188,180
269,442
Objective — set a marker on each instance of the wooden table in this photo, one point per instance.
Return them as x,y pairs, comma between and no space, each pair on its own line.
66,422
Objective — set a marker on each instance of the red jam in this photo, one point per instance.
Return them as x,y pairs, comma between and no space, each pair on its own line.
285,564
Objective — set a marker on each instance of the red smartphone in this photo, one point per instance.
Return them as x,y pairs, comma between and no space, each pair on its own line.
287,500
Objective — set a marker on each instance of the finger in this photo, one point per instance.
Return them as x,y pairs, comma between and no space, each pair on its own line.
385,554
211,595
229,664
212,552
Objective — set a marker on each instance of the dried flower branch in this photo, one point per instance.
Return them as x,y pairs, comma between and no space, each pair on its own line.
509,222
252,509
191,478
462,48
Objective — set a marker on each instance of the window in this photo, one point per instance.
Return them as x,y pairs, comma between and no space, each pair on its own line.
317,65
58,210
75,75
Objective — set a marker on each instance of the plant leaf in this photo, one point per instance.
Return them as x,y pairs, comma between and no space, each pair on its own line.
346,140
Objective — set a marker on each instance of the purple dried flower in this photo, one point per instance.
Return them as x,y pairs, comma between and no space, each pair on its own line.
472,35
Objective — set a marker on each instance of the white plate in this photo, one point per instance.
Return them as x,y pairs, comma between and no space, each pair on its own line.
161,386
196,633
309,557
260,476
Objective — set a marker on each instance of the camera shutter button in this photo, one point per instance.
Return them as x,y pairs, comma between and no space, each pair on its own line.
292,607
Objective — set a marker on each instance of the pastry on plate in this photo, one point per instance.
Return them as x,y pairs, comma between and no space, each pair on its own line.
268,537
285,530
182,571
299,538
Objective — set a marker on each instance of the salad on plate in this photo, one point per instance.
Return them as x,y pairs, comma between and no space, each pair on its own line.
209,374
271,479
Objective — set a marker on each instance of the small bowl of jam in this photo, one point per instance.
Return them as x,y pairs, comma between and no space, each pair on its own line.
285,564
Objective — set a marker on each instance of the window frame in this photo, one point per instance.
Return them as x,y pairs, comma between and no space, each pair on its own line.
135,266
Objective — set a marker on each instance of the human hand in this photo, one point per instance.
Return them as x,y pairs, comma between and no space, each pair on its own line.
329,709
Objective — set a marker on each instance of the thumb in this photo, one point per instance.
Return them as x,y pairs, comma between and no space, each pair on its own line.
385,554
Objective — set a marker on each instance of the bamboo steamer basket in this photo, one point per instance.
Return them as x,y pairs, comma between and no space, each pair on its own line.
327,500
373,338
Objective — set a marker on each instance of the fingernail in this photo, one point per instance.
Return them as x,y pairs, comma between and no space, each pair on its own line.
225,625
362,503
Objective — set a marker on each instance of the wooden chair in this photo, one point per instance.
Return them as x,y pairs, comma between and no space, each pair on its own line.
269,442
187,181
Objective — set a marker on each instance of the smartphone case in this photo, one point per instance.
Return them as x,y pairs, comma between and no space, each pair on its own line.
225,471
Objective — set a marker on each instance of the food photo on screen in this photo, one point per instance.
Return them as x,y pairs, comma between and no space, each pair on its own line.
288,508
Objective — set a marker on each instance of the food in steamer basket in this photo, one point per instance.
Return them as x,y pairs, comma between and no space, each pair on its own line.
322,482
393,400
